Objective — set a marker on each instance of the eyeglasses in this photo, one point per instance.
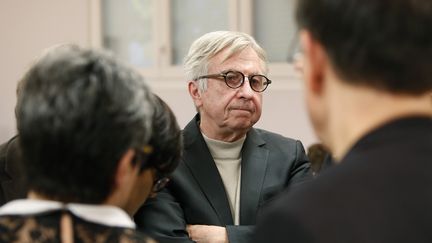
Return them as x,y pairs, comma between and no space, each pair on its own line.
235,79
161,179
142,156
160,182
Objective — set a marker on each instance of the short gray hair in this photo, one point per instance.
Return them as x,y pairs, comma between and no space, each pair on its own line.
79,110
207,46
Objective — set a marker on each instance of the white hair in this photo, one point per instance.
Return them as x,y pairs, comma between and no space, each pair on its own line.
207,46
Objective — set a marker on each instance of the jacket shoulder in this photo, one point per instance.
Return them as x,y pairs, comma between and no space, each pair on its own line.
275,138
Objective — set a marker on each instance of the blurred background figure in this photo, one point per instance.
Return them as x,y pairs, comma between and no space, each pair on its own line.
367,74
167,144
12,179
319,157
85,124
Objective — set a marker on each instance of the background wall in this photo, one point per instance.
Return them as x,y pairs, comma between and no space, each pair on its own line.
28,27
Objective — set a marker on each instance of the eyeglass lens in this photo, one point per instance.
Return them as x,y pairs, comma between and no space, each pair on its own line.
235,79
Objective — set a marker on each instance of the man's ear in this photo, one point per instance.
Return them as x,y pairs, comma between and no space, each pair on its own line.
195,93
315,62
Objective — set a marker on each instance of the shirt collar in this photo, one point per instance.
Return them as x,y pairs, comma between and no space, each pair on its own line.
224,150
100,214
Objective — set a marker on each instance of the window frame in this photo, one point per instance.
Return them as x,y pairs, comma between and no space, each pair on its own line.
240,12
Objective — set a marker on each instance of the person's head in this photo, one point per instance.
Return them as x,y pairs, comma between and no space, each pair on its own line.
167,144
379,46
216,60
82,119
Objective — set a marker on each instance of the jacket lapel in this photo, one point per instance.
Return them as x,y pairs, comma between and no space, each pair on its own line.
198,158
254,163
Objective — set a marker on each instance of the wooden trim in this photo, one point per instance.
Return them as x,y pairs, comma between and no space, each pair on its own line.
95,23
240,14
164,29
233,15
245,16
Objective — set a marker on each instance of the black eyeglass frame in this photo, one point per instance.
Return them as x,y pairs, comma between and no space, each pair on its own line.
143,155
250,77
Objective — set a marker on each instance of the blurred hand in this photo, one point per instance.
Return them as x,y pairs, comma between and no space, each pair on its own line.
207,233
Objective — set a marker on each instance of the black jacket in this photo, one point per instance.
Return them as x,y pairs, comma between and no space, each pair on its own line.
196,194
380,192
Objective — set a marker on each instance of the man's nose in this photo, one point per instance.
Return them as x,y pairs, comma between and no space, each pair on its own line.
245,90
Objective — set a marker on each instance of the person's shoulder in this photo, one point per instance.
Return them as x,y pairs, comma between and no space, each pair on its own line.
105,233
8,145
10,154
269,136
9,151
278,142
319,189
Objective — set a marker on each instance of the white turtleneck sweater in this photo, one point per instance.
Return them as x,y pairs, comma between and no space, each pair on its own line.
227,157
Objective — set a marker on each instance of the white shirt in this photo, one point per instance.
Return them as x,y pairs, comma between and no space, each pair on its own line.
101,214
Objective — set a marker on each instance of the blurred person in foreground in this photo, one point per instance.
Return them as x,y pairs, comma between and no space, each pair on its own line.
368,69
85,126
228,169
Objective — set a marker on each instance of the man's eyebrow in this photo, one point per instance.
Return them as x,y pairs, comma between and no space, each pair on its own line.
229,70
235,70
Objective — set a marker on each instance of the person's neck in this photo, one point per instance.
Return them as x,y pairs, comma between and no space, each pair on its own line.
357,111
225,135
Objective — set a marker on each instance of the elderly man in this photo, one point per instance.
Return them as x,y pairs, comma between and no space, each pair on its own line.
228,169
368,68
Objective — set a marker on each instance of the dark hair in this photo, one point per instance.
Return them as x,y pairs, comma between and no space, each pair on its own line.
385,44
167,141
317,154
79,111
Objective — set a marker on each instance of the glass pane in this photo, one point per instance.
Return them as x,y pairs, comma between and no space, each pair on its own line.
127,30
192,18
274,28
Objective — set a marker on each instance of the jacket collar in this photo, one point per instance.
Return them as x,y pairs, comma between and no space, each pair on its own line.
101,214
198,159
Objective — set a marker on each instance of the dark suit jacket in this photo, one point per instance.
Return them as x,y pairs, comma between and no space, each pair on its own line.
380,192
196,193
12,183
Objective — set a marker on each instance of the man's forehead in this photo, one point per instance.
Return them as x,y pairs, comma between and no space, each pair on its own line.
223,61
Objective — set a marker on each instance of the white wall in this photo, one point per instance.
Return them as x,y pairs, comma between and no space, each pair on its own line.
28,27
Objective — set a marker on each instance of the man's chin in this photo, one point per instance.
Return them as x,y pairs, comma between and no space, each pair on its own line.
242,113
246,124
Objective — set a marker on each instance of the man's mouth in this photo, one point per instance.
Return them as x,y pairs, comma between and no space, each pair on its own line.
242,109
